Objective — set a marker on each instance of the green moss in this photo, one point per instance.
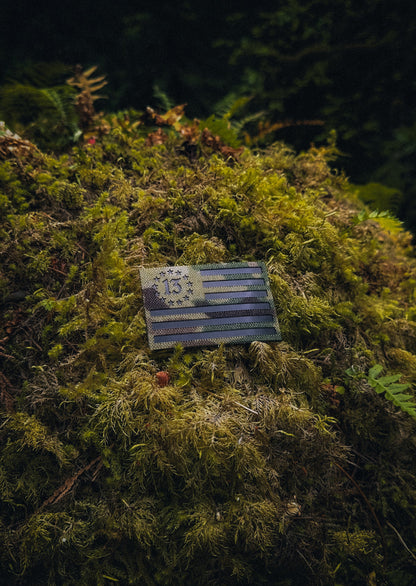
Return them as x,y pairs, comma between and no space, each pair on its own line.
251,466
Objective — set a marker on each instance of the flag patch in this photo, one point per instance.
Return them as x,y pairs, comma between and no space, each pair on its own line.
229,303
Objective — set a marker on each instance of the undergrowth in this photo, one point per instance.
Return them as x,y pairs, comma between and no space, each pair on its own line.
260,464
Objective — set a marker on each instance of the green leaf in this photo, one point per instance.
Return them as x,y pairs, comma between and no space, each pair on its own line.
375,370
392,390
398,388
397,399
386,380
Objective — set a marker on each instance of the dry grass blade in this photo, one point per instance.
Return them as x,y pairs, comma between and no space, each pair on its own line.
67,486
5,397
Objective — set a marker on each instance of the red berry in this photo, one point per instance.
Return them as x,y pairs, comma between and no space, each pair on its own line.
162,378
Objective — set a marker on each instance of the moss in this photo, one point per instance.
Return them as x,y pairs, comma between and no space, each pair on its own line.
262,464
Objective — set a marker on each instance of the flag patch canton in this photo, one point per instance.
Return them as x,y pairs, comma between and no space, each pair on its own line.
208,305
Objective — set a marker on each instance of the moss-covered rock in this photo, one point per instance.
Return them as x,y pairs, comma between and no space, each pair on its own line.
277,464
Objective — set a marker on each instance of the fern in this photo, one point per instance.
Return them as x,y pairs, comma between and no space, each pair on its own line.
83,81
379,196
164,101
392,389
229,113
88,87
57,103
46,116
40,74
385,218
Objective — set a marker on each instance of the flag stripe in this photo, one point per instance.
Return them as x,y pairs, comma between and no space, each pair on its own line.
215,314
206,321
218,328
230,271
236,294
233,283
217,334
209,308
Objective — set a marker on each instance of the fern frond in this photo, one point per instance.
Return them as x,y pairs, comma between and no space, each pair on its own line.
164,100
88,87
39,74
378,196
392,389
62,104
82,80
44,115
230,105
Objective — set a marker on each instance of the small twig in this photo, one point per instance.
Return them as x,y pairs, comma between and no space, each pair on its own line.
61,291
401,540
233,402
32,341
305,560
47,216
59,271
5,397
325,49
82,248
246,408
66,487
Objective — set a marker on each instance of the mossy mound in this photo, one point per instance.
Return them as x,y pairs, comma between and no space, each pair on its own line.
277,464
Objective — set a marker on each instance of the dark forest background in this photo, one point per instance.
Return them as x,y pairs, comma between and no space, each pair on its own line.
303,67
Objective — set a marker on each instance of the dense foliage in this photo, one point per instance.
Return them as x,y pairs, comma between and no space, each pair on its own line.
287,463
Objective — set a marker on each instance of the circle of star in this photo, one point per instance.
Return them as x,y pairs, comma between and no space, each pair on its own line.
172,287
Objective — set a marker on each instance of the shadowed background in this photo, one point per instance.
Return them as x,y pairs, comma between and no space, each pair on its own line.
305,68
